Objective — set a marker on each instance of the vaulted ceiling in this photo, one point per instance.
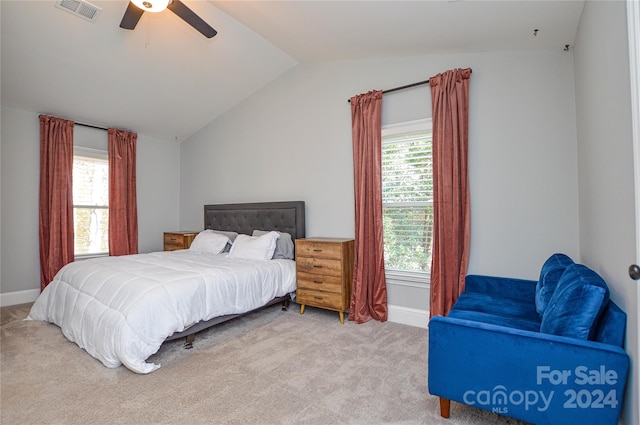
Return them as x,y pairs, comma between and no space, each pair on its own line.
167,81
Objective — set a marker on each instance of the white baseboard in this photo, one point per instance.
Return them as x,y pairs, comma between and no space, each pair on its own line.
18,297
408,316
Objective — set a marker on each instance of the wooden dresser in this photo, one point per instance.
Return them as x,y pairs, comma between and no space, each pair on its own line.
178,240
324,271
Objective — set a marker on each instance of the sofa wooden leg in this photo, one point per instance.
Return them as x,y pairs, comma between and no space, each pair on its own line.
445,406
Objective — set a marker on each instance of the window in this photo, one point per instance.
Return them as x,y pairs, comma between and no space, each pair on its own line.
90,202
407,199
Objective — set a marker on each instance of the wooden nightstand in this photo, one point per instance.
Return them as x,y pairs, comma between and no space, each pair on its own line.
324,271
178,240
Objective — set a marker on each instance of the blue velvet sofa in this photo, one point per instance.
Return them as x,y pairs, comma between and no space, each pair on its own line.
546,351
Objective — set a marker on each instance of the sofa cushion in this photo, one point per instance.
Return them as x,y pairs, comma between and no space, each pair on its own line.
494,319
577,304
550,274
497,305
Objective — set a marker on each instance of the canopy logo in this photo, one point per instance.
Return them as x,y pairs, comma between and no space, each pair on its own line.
500,398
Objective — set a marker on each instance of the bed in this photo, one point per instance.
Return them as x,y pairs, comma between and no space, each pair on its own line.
121,309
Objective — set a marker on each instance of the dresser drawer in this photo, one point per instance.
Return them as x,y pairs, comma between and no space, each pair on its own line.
319,282
172,239
318,249
323,299
323,266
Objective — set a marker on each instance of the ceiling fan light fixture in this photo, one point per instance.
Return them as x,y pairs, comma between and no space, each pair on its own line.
152,5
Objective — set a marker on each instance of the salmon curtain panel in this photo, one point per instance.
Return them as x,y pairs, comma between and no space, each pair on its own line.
451,206
123,207
55,197
369,296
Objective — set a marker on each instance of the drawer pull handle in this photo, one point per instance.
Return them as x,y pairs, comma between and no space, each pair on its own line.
317,298
317,266
317,250
318,282
173,239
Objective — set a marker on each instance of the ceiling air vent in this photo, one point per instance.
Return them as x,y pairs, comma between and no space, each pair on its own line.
80,8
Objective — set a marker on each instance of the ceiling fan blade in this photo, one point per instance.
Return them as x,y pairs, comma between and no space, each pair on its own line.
180,9
131,17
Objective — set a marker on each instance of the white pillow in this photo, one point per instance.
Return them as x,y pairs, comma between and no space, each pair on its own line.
209,242
254,248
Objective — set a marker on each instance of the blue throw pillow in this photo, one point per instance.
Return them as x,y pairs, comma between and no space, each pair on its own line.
550,274
576,305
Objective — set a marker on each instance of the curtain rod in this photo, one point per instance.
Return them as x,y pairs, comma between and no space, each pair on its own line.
419,83
91,126
96,126
405,87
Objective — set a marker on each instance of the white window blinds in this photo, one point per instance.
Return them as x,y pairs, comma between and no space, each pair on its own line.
407,200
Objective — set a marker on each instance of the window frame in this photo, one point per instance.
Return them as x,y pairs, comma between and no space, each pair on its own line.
413,278
96,154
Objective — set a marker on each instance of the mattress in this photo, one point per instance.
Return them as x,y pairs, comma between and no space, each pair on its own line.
121,309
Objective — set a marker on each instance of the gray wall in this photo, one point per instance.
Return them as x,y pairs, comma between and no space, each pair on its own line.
605,163
292,140
158,187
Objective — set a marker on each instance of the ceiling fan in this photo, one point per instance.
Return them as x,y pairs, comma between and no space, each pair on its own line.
136,8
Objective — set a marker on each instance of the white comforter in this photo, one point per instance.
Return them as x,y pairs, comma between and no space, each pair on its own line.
121,309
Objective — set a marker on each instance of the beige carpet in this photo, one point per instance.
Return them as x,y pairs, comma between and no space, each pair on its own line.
270,367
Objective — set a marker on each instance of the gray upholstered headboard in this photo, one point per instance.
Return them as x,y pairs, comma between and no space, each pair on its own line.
245,218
